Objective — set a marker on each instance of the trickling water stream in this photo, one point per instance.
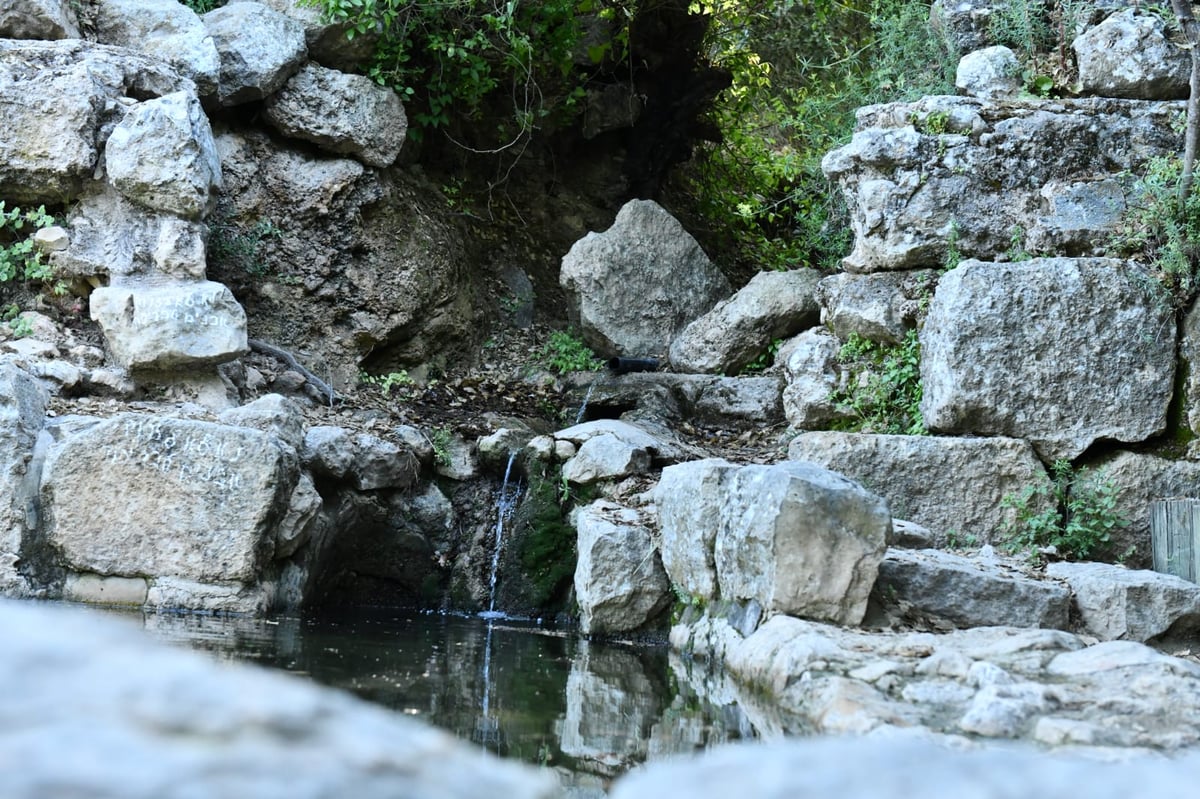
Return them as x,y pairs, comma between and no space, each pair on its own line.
506,506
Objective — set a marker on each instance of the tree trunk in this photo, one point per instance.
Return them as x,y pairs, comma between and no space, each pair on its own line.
1191,31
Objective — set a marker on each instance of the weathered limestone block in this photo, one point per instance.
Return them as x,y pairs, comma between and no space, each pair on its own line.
164,29
923,477
158,715
963,24
619,579
171,327
161,155
54,98
690,499
958,174
1075,214
605,457
725,400
801,540
1189,357
772,305
1129,55
271,413
341,113
1135,605
327,42
22,410
968,592
154,496
1060,352
259,49
95,589
636,285
296,527
879,307
992,73
810,369
631,434
38,19
114,238
377,463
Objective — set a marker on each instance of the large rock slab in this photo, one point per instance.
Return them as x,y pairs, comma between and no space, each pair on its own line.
54,98
1061,352
882,306
259,48
143,717
1129,55
923,477
771,306
327,41
164,29
38,19
620,584
341,113
605,457
801,540
161,155
958,176
969,592
151,496
22,409
811,374
636,285
690,500
111,237
1133,605
171,327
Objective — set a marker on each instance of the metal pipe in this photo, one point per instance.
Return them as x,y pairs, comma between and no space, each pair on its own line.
623,366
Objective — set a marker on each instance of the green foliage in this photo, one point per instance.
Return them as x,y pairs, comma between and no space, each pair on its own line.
388,381
18,326
449,58
547,547
765,360
1160,227
566,352
957,540
1040,33
440,439
1077,514
236,246
19,258
203,6
884,388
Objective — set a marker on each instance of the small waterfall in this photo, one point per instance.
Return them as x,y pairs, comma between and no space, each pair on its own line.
506,505
583,406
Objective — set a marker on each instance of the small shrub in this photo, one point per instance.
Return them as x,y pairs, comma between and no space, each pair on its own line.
765,360
884,390
566,352
237,246
440,438
1079,520
18,326
389,381
19,258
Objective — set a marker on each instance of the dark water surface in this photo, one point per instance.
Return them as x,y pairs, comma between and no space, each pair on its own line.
543,696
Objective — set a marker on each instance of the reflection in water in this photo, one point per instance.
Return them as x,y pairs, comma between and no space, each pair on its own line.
521,691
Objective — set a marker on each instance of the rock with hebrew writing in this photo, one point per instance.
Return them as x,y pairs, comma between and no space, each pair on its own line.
153,496
171,327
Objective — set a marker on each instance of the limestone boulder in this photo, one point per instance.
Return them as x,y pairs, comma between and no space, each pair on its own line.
1189,359
735,400
620,584
961,177
810,368
111,237
801,540
1060,352
259,49
161,155
993,73
22,410
1129,55
271,413
690,499
38,19
56,97
1129,604
156,496
882,306
164,29
296,527
606,457
327,42
969,592
341,113
159,715
184,325
964,25
636,285
922,477
1075,213
773,305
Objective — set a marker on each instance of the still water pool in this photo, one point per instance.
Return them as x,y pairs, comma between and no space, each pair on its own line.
592,710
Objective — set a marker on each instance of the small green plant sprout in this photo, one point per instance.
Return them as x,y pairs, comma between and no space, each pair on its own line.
957,540
565,352
387,382
441,439
764,361
883,393
953,255
18,326
20,259
1016,245
1076,514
